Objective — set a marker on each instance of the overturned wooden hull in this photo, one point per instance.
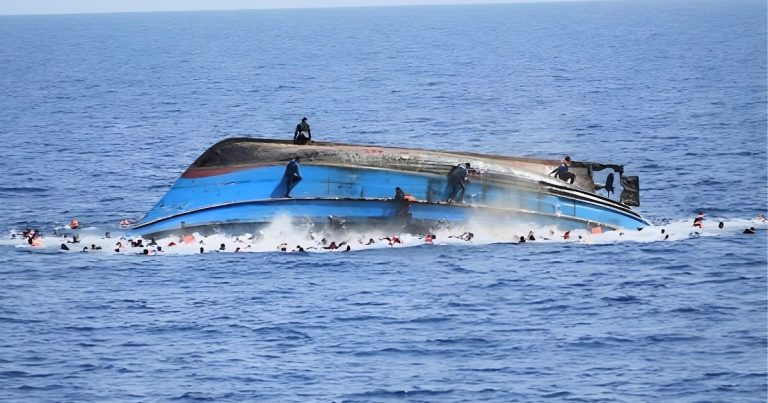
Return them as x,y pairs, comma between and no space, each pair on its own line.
239,184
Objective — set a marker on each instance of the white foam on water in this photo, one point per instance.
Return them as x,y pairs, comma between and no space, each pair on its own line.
284,232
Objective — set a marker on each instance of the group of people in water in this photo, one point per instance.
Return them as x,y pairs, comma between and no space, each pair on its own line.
140,246
345,245
698,222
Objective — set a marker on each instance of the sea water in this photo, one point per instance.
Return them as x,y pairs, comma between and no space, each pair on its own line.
99,114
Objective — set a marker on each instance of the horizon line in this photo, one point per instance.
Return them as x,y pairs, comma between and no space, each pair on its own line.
320,7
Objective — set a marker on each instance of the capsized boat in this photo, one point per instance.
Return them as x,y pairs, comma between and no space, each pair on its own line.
239,184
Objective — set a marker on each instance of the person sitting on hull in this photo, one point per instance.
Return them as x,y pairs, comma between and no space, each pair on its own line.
302,135
561,172
456,179
292,176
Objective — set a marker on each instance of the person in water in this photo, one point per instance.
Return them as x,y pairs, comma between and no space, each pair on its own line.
467,236
392,240
302,135
292,176
698,222
332,246
456,178
562,173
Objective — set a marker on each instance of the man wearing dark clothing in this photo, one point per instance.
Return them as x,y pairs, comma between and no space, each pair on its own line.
561,172
456,179
403,211
302,134
292,176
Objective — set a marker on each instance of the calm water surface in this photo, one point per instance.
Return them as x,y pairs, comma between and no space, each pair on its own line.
99,114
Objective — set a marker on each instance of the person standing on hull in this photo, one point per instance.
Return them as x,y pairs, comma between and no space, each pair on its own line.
562,173
292,176
456,179
302,135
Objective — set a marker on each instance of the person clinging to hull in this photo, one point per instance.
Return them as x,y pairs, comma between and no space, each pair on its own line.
302,135
292,176
403,210
562,173
456,179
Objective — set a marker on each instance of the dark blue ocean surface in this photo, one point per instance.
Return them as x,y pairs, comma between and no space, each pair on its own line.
99,114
